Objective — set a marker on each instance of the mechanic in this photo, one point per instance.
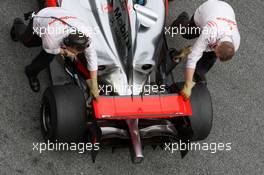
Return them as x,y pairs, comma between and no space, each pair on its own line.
59,32
215,25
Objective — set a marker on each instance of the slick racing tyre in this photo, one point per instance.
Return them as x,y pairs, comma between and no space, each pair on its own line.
202,109
63,114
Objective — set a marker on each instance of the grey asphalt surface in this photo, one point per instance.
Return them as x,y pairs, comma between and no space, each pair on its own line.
238,101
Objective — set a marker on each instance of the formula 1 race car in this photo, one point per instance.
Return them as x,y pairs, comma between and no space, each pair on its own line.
139,104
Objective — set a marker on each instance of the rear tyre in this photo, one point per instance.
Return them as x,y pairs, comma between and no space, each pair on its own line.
202,109
63,114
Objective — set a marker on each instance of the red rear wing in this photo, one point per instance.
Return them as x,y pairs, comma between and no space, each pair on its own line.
125,107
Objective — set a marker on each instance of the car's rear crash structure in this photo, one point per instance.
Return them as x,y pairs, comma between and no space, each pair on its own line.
132,51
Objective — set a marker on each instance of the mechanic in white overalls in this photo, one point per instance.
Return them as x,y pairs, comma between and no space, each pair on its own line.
218,37
59,32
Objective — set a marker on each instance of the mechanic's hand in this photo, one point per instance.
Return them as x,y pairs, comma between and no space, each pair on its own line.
183,54
186,92
93,86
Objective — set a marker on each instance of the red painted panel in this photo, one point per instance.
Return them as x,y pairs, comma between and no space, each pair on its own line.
165,106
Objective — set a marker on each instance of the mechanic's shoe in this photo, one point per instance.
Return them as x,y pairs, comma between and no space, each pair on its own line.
17,29
182,19
33,81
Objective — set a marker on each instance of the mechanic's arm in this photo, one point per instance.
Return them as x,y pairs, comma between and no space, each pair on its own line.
92,65
189,72
93,74
50,45
196,53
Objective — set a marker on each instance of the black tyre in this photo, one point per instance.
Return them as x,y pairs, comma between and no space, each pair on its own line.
202,109
202,118
63,114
